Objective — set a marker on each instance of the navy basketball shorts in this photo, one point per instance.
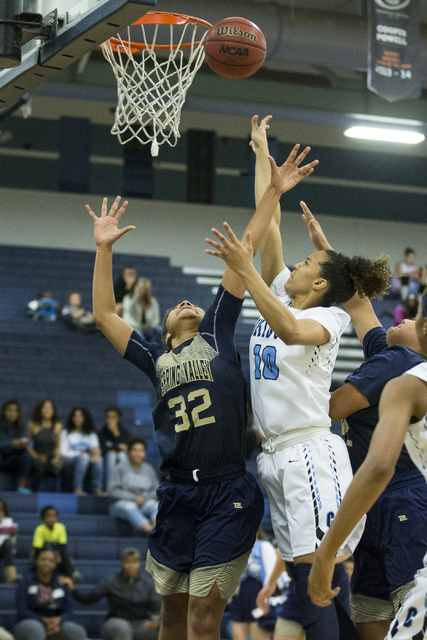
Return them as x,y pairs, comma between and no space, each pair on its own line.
394,542
242,604
202,525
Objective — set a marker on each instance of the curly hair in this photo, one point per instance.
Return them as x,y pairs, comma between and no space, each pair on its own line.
88,424
37,412
345,276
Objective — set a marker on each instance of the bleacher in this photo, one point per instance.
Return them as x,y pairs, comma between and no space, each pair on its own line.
94,546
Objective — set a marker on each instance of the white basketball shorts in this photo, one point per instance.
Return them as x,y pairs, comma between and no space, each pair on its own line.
305,483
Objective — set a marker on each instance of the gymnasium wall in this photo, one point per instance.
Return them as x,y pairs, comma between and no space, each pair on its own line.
176,229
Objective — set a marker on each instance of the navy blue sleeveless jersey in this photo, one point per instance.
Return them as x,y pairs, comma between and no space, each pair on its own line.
382,363
200,417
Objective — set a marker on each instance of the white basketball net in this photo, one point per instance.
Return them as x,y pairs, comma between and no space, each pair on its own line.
151,92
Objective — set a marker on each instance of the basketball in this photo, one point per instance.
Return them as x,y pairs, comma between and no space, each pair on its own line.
235,48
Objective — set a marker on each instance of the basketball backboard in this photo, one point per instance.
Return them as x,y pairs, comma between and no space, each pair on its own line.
80,26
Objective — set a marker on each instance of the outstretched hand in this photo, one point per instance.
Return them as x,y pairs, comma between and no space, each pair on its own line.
106,227
259,134
288,175
237,255
320,581
317,236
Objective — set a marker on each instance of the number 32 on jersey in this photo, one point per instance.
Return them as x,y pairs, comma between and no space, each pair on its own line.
198,415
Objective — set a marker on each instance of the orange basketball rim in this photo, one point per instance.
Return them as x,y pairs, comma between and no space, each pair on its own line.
161,17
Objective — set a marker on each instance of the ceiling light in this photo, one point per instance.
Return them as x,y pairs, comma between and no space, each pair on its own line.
386,135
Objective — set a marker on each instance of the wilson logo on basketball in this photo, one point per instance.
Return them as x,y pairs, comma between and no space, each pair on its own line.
236,31
233,51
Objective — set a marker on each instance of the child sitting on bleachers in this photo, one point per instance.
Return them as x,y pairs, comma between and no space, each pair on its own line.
52,535
44,606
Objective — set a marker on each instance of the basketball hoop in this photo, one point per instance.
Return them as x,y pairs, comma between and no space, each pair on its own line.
151,90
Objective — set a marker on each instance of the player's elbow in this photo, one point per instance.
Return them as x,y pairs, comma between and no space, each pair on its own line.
100,319
290,335
380,469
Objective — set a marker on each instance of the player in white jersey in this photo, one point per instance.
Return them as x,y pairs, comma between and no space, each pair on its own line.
403,420
304,467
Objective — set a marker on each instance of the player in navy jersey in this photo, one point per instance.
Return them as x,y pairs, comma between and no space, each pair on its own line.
210,507
402,419
304,467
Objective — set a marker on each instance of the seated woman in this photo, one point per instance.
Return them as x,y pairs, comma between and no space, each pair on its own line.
80,451
44,608
44,433
133,485
14,457
8,531
141,311
113,440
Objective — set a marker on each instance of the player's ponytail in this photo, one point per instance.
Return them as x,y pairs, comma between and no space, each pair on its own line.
346,275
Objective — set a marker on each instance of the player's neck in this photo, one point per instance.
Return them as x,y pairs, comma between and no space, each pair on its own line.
305,301
189,334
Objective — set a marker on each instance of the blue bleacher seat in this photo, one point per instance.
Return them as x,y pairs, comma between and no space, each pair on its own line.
7,482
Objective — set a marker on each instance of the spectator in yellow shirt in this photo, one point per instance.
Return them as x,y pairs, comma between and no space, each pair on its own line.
52,535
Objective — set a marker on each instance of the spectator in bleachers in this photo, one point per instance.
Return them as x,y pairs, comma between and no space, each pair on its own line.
141,311
44,605
80,451
133,604
124,284
44,434
44,307
52,535
8,531
406,310
75,315
113,440
14,457
133,484
406,275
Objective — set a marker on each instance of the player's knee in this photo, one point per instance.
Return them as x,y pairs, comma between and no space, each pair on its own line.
205,614
174,610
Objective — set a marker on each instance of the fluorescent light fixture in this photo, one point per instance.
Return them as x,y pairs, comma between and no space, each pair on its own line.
385,135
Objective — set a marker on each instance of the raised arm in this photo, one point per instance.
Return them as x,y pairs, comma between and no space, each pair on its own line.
107,232
282,179
401,399
271,250
362,314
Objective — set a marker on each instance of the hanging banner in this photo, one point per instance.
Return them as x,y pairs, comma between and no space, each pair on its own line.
393,49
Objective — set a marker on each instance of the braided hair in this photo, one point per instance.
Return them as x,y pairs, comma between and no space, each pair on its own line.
346,275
